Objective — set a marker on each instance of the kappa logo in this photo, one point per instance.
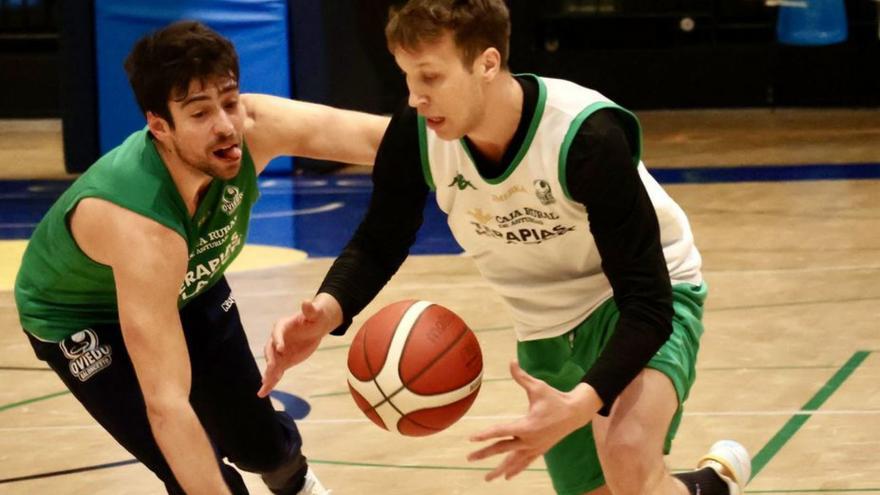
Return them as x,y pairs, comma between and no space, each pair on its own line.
87,357
543,192
461,183
232,197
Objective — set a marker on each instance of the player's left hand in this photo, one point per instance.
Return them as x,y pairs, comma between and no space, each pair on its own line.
552,415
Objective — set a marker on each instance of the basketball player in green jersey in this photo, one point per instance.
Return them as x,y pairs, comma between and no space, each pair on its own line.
122,289
543,186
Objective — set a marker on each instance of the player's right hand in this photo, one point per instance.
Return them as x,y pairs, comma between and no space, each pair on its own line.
296,337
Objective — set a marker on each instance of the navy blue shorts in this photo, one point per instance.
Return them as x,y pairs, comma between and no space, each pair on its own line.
242,427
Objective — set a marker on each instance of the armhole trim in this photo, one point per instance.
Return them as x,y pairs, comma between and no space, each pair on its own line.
575,127
423,152
253,176
144,212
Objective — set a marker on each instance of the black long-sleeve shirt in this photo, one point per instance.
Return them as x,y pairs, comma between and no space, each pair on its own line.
600,174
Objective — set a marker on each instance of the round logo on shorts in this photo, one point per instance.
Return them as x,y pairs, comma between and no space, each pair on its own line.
85,354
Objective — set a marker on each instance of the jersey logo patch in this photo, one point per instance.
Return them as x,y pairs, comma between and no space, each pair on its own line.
520,226
232,197
85,354
461,183
542,191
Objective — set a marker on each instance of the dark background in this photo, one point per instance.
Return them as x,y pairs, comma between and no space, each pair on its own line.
633,51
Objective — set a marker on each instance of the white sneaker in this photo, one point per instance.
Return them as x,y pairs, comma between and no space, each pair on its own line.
313,486
732,462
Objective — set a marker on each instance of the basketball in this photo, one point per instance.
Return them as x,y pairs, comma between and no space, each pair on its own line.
414,368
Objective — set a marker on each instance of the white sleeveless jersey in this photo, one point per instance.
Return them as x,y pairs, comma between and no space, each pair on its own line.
529,240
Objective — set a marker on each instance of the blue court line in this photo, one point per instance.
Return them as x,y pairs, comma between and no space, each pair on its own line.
68,471
768,173
18,189
25,368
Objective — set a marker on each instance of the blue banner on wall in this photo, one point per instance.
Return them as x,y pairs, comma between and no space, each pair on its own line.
258,28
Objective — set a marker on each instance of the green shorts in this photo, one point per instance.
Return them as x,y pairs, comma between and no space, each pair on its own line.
562,362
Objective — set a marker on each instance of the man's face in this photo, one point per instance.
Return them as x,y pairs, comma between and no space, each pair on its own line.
208,126
441,88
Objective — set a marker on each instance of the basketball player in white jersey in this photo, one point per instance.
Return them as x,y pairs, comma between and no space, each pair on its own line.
543,186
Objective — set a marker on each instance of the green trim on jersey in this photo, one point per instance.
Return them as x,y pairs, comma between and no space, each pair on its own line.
527,142
521,153
423,148
59,290
575,127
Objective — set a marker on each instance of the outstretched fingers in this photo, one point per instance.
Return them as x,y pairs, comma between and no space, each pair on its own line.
519,463
273,372
512,465
277,338
525,380
496,448
505,430
309,311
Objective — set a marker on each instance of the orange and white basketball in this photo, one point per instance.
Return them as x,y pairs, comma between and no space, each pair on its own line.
415,368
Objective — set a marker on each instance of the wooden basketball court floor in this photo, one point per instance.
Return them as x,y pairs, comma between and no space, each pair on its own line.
789,365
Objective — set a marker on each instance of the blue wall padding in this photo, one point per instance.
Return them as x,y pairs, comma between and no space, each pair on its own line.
258,28
812,23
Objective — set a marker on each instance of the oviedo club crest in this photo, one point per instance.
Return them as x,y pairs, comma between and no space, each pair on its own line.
232,197
85,354
542,191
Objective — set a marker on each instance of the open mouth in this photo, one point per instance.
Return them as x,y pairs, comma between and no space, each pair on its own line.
435,121
229,153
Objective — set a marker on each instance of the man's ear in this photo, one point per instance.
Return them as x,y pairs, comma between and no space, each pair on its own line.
489,63
159,127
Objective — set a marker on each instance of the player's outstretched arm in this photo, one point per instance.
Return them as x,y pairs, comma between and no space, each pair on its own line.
295,338
371,257
149,263
278,126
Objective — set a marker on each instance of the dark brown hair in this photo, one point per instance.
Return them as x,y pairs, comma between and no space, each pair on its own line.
162,64
475,25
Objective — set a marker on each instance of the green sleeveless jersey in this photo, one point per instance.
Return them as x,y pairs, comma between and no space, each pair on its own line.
59,290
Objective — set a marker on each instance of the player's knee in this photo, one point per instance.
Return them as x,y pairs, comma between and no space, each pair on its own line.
283,448
629,467
282,470
282,465
623,445
269,458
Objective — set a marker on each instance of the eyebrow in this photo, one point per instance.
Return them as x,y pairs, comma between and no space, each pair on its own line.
193,99
230,86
